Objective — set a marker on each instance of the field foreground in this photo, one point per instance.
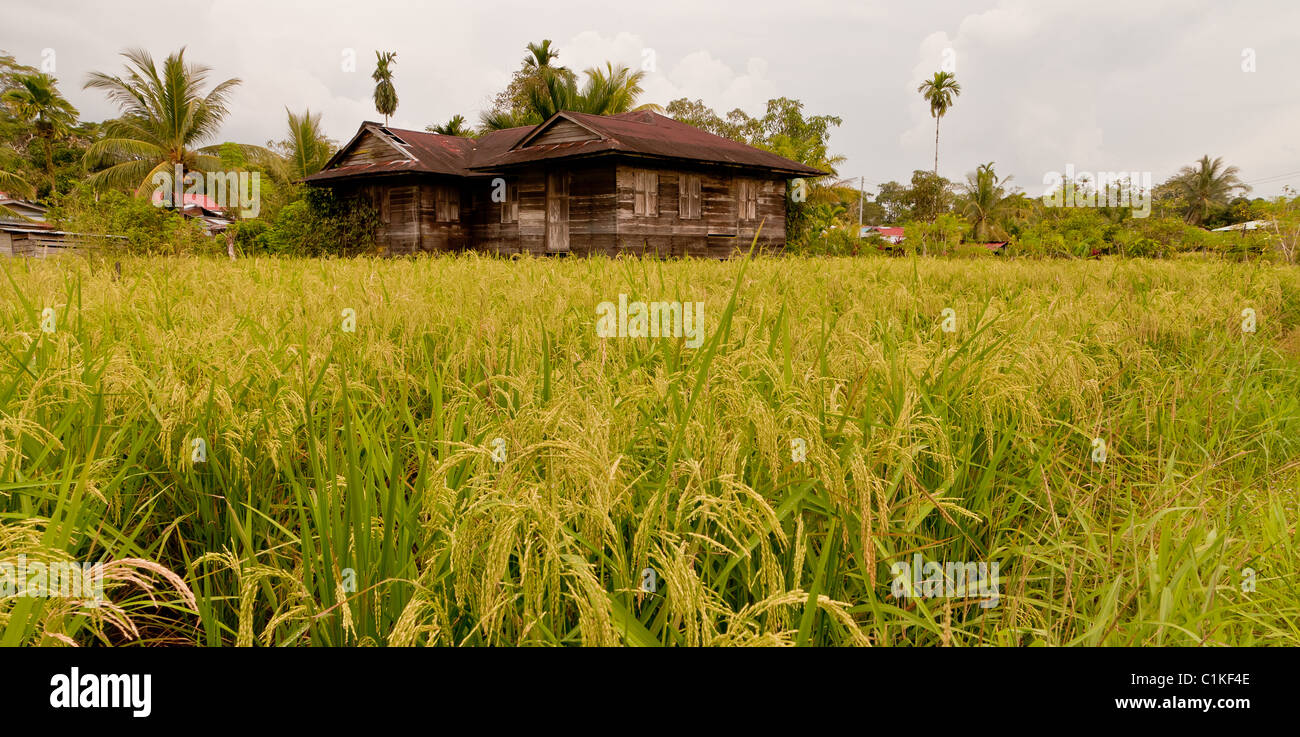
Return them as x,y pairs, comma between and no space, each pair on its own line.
472,464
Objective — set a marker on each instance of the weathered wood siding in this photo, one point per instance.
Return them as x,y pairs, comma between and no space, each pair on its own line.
717,233
409,217
416,211
590,212
33,244
370,149
563,131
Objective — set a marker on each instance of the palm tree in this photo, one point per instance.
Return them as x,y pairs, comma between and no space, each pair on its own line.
986,204
612,90
165,115
307,147
454,127
941,92
1205,184
14,185
385,93
607,91
37,101
540,55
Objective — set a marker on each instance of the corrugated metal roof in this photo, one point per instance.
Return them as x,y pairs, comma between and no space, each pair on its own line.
641,133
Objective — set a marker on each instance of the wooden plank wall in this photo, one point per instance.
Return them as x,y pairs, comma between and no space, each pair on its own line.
563,131
408,214
33,244
591,210
717,233
370,149
601,213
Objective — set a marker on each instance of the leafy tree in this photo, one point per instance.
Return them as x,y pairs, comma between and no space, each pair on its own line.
36,100
165,116
930,195
895,200
786,131
737,125
385,93
941,92
1206,185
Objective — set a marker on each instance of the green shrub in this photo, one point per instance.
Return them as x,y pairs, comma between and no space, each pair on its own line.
318,224
143,227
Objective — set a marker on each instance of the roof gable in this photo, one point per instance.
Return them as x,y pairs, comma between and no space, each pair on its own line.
561,128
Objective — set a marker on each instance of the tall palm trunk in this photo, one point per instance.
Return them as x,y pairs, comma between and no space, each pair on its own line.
936,146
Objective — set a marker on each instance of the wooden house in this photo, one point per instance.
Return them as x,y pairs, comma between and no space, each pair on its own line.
638,183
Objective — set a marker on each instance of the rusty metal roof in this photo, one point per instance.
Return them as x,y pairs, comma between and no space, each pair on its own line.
640,133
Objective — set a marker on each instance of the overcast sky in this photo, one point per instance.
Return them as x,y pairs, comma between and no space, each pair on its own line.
1103,85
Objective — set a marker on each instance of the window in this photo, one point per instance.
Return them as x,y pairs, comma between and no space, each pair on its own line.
448,205
688,196
510,207
747,198
646,201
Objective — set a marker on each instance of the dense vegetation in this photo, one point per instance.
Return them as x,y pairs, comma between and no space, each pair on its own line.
46,153
354,492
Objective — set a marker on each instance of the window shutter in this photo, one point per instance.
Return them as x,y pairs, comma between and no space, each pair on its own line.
646,198
689,197
510,208
747,194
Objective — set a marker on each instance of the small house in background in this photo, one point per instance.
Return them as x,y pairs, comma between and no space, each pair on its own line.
11,206
201,207
1248,225
893,235
637,182
23,230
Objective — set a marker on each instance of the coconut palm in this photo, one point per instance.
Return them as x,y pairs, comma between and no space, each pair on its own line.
612,90
36,100
1206,184
166,115
15,186
454,127
307,148
385,93
941,92
986,204
608,91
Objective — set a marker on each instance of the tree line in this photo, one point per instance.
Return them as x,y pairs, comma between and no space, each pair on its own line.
96,174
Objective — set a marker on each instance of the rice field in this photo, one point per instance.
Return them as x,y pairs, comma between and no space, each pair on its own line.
443,451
